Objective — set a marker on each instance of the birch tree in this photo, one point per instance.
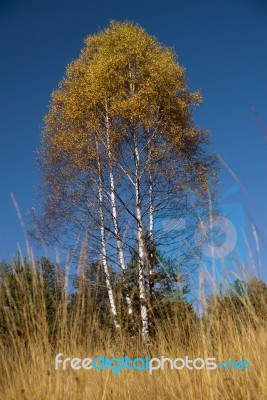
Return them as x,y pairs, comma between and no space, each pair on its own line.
119,146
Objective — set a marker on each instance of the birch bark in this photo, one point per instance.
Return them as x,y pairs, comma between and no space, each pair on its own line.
114,210
104,246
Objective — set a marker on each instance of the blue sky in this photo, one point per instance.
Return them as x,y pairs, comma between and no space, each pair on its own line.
223,45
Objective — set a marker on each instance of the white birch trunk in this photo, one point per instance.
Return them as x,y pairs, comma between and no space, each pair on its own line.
114,212
151,207
151,212
151,204
141,246
104,249
151,224
140,236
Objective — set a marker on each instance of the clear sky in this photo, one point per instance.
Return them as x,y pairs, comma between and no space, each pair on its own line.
223,45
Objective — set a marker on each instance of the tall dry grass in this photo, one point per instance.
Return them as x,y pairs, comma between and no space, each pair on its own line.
27,367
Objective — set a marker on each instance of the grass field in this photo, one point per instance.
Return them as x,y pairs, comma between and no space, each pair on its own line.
27,356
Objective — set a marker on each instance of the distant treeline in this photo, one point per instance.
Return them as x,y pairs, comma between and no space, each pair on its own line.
43,292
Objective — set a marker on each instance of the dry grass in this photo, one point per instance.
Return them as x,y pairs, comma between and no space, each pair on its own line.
27,359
